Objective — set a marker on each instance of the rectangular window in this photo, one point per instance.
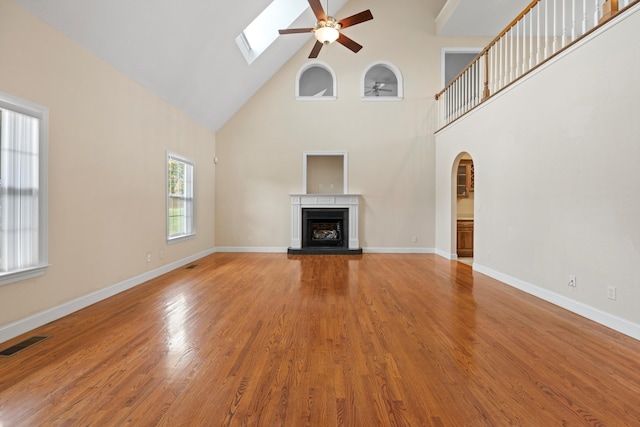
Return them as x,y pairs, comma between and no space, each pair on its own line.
180,221
23,189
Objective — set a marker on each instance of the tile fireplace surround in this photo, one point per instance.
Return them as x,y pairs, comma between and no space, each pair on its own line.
302,201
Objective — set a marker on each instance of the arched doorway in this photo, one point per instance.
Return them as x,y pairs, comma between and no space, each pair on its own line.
464,187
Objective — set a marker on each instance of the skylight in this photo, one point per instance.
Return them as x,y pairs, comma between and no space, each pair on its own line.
263,31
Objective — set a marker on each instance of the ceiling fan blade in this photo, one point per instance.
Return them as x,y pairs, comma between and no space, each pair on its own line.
355,19
316,6
295,30
316,50
348,43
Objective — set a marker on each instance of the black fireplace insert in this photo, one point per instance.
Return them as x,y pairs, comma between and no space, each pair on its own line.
325,228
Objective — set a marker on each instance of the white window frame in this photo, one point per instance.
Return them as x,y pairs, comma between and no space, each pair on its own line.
399,81
300,80
18,105
190,214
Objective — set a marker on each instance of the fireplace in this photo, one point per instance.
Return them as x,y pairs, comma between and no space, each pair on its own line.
325,227
324,224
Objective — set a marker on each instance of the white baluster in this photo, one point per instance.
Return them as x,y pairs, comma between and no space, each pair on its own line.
596,13
501,59
538,59
522,26
458,97
465,92
531,39
546,29
584,16
573,20
555,23
511,57
496,68
496,71
564,23
478,93
450,103
518,54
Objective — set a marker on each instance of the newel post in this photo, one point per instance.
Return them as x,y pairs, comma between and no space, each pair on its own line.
486,93
609,8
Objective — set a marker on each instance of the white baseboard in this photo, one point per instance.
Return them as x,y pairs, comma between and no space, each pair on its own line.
251,249
398,250
443,254
27,324
364,250
616,323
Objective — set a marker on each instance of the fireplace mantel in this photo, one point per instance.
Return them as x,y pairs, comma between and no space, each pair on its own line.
301,201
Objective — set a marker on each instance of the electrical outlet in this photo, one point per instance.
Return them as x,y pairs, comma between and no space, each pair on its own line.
611,292
572,281
414,239
148,256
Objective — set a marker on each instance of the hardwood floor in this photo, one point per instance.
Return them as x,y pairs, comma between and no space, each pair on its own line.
371,340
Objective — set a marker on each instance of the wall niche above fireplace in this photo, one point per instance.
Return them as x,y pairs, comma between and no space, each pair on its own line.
325,172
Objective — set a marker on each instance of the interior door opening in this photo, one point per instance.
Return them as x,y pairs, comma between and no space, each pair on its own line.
465,195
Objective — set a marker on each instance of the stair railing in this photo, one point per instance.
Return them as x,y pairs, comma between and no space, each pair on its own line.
542,30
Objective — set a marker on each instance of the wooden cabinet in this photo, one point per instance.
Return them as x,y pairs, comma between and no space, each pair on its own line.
465,180
465,237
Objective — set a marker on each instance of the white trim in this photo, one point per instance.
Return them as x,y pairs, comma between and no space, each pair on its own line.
301,201
621,325
319,64
27,324
345,167
170,155
251,249
27,273
399,80
258,249
398,250
443,254
28,108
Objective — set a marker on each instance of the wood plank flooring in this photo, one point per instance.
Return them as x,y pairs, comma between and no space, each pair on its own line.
277,340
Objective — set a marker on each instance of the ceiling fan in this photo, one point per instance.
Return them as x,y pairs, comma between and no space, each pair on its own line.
327,29
376,89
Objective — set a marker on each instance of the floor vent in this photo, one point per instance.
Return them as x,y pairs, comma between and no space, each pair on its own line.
189,267
8,352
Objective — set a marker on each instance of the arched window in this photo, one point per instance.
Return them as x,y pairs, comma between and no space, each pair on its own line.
316,81
381,81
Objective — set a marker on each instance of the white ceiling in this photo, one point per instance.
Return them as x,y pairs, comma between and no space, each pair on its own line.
185,50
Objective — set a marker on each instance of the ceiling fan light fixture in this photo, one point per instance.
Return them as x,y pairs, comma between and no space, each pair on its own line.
326,32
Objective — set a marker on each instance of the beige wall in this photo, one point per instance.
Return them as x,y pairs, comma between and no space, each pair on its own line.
557,179
107,142
390,144
325,174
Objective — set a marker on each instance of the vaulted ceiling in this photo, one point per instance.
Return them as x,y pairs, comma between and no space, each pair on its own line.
185,50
